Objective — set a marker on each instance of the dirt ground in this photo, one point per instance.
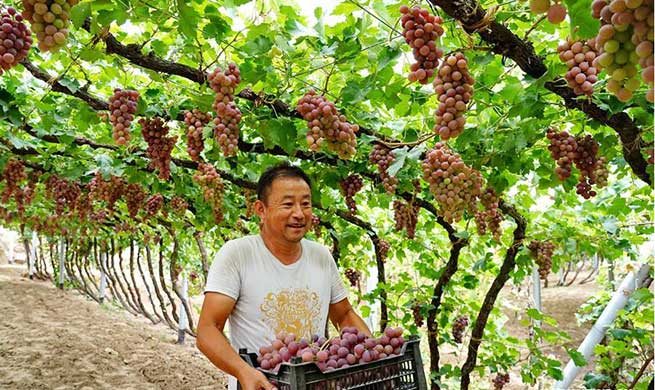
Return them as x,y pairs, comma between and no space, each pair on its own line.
53,339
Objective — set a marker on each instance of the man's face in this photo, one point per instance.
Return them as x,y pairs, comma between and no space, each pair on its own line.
287,212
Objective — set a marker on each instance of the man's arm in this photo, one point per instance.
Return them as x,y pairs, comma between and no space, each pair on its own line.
211,341
343,315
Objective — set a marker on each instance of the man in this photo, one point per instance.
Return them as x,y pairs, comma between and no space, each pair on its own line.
273,282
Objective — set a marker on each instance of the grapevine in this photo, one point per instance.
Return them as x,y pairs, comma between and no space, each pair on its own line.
195,121
123,105
50,20
15,39
327,126
212,189
383,157
454,89
421,31
159,145
455,186
228,116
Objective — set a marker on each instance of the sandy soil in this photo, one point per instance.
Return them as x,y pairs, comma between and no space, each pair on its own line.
52,339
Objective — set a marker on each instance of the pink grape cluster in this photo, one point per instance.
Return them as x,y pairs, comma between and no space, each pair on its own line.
228,115
13,174
417,314
459,326
454,89
625,40
63,192
15,39
195,121
350,348
406,217
50,20
500,380
556,12
178,205
563,149
384,248
349,187
353,276
383,157
316,225
135,195
542,253
153,204
455,186
107,191
421,31
326,126
123,105
160,146
213,189
579,57
490,218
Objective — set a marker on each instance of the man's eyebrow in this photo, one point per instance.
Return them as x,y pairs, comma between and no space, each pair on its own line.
285,197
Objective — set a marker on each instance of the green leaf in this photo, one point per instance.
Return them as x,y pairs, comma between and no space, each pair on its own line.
534,314
578,358
189,19
583,25
79,13
281,132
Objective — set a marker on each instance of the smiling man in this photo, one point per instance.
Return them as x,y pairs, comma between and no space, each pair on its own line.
273,282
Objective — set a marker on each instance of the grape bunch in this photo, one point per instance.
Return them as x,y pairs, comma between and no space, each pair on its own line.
84,206
50,20
178,205
250,199
563,149
349,187
458,328
135,195
195,121
542,253
455,186
29,192
383,157
406,217
212,189
384,248
625,40
579,57
15,39
326,126
353,276
107,191
160,146
63,192
350,348
13,174
417,314
592,169
228,116
556,12
122,104
500,380
491,217
421,31
153,204
454,89
316,225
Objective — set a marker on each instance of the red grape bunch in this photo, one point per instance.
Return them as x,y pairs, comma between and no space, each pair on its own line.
153,204
454,88
122,105
13,174
563,149
555,9
579,57
107,191
625,40
135,195
63,192
500,380
455,186
421,31
178,205
326,126
84,206
16,39
50,20
542,253
212,189
228,116
195,121
459,326
383,157
384,248
592,169
349,187
491,217
350,348
160,146
353,276
316,225
406,217
418,314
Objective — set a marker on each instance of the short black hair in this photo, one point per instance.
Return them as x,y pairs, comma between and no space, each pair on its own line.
283,169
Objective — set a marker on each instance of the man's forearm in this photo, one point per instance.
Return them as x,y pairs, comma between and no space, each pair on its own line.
218,350
353,319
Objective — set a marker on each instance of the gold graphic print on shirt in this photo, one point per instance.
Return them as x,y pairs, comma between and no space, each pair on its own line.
294,311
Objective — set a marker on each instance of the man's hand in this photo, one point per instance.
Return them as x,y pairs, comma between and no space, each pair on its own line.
252,379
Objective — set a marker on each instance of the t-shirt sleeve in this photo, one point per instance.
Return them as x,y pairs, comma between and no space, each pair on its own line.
224,276
338,290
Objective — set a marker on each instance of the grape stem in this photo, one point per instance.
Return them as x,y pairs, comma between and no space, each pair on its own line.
393,145
536,23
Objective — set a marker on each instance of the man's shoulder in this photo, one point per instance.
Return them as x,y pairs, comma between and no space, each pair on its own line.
316,248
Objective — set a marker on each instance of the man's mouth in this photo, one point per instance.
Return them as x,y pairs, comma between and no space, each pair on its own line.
297,226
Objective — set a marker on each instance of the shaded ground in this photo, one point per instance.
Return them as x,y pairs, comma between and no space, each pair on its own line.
52,339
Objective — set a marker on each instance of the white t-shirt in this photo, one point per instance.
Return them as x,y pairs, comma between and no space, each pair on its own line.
272,297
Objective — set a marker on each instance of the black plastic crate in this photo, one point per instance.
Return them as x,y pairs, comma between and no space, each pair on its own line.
402,372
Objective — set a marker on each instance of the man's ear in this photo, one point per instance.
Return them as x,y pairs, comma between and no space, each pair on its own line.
260,209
